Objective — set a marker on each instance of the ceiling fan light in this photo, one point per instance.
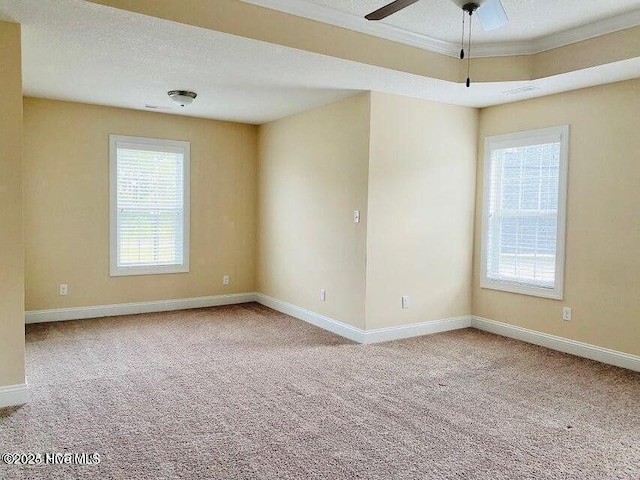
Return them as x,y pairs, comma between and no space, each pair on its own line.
182,97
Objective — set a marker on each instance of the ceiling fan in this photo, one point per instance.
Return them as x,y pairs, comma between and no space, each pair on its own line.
491,14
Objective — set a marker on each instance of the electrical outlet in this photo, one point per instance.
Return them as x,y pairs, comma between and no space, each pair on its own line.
356,216
323,295
225,280
405,302
566,314
64,289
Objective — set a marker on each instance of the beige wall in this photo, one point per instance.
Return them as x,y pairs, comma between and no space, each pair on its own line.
11,219
408,165
602,50
421,201
602,272
313,175
66,190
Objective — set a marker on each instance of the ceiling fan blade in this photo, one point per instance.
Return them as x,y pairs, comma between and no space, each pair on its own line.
492,15
390,9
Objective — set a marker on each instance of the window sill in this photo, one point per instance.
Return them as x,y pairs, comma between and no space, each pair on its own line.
554,294
149,270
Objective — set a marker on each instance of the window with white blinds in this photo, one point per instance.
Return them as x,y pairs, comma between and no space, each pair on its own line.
149,206
525,189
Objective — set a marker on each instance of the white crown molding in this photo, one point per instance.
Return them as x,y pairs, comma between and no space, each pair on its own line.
77,313
14,395
587,32
331,16
504,49
561,344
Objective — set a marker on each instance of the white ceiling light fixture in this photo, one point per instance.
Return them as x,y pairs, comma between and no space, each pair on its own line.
182,97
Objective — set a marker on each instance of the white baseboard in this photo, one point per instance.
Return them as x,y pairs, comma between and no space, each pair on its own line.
416,329
13,395
18,394
77,313
326,323
580,349
359,335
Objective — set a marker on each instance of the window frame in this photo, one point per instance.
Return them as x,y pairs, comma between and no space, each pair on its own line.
120,271
520,139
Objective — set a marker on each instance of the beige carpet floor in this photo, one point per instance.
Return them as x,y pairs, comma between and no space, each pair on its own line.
243,392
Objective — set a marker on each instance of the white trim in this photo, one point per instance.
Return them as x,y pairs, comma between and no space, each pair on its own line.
561,344
505,49
331,16
587,32
13,395
326,323
18,394
417,329
154,144
321,321
529,137
77,313
359,335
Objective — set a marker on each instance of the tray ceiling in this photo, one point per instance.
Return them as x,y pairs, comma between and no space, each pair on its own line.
83,52
534,26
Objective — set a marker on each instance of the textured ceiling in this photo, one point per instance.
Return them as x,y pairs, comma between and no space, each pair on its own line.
80,51
528,19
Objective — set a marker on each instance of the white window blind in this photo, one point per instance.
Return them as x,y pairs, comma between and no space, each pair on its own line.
524,212
150,206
